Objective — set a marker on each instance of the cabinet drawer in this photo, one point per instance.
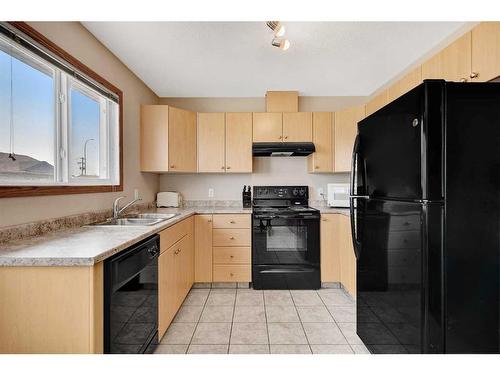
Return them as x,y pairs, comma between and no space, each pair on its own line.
233,255
231,237
226,221
174,233
232,273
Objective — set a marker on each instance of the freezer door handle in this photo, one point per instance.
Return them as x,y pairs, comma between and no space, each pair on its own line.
353,163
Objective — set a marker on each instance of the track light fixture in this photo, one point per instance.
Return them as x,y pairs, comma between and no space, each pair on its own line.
282,44
277,27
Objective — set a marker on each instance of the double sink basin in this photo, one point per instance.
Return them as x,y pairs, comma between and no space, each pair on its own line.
137,220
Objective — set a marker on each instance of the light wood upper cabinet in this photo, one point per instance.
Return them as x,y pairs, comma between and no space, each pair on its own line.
297,127
211,142
239,142
321,160
282,101
452,63
181,140
267,127
330,248
376,103
154,138
346,128
485,52
203,248
405,84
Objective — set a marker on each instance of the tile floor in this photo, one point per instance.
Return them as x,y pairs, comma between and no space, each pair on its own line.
246,321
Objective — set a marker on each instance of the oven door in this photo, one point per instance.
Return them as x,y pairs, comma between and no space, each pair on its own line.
285,241
285,253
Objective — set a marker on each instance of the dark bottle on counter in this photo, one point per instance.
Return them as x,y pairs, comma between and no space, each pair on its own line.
247,197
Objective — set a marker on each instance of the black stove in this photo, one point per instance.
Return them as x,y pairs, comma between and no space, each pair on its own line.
285,239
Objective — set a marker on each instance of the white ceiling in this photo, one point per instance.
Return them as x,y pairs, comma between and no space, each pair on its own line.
236,59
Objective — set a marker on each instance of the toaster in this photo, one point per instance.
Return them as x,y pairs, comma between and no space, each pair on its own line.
168,199
338,195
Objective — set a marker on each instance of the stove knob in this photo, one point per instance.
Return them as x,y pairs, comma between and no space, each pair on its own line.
295,192
302,191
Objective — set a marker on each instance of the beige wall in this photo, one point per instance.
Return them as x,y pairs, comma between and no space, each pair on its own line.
266,171
75,39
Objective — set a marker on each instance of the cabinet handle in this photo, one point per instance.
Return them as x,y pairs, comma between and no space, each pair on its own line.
231,256
228,167
286,136
172,166
209,220
474,75
463,80
231,238
233,222
280,137
324,220
316,167
231,274
222,167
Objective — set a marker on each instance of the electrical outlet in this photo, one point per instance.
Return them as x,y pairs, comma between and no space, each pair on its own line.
210,192
136,193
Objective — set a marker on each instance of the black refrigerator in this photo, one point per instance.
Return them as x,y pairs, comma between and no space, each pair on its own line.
425,193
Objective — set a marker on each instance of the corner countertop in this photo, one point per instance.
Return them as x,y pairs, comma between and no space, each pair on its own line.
88,245
91,244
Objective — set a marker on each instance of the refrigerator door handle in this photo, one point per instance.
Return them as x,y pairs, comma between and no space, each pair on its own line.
355,243
353,163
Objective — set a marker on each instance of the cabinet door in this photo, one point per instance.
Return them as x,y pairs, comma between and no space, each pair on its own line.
405,84
330,248
347,257
376,103
452,64
297,127
346,128
239,142
321,160
267,127
203,249
167,290
211,142
486,51
154,138
181,140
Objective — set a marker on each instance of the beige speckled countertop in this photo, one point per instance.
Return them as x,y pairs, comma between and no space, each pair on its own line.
87,245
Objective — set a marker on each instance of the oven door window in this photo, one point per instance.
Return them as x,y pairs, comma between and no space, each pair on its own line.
286,241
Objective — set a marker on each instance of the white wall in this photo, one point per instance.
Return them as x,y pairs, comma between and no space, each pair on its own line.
267,171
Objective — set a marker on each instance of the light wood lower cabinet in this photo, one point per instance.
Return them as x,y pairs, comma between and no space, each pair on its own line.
321,161
175,275
231,240
51,309
203,249
338,262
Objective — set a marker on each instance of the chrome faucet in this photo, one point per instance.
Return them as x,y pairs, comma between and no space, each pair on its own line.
117,211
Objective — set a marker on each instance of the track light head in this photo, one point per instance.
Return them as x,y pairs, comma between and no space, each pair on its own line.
282,44
276,27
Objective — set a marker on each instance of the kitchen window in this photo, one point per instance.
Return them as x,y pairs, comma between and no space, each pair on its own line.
59,129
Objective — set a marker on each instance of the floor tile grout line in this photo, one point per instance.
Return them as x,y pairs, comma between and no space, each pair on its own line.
301,323
232,320
267,326
336,323
199,318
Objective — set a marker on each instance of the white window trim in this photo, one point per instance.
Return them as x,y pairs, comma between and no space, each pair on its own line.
109,127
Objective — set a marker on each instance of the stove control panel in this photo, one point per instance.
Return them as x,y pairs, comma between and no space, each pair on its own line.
280,192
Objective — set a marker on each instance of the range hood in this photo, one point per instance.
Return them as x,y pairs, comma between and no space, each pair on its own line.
282,148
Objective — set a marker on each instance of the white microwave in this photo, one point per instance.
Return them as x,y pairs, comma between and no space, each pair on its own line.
338,195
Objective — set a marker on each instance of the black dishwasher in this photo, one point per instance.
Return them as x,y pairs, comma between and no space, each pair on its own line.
131,299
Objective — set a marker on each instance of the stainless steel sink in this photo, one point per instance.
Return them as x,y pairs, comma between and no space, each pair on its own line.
138,220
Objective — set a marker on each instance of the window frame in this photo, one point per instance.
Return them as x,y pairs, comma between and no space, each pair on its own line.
72,186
